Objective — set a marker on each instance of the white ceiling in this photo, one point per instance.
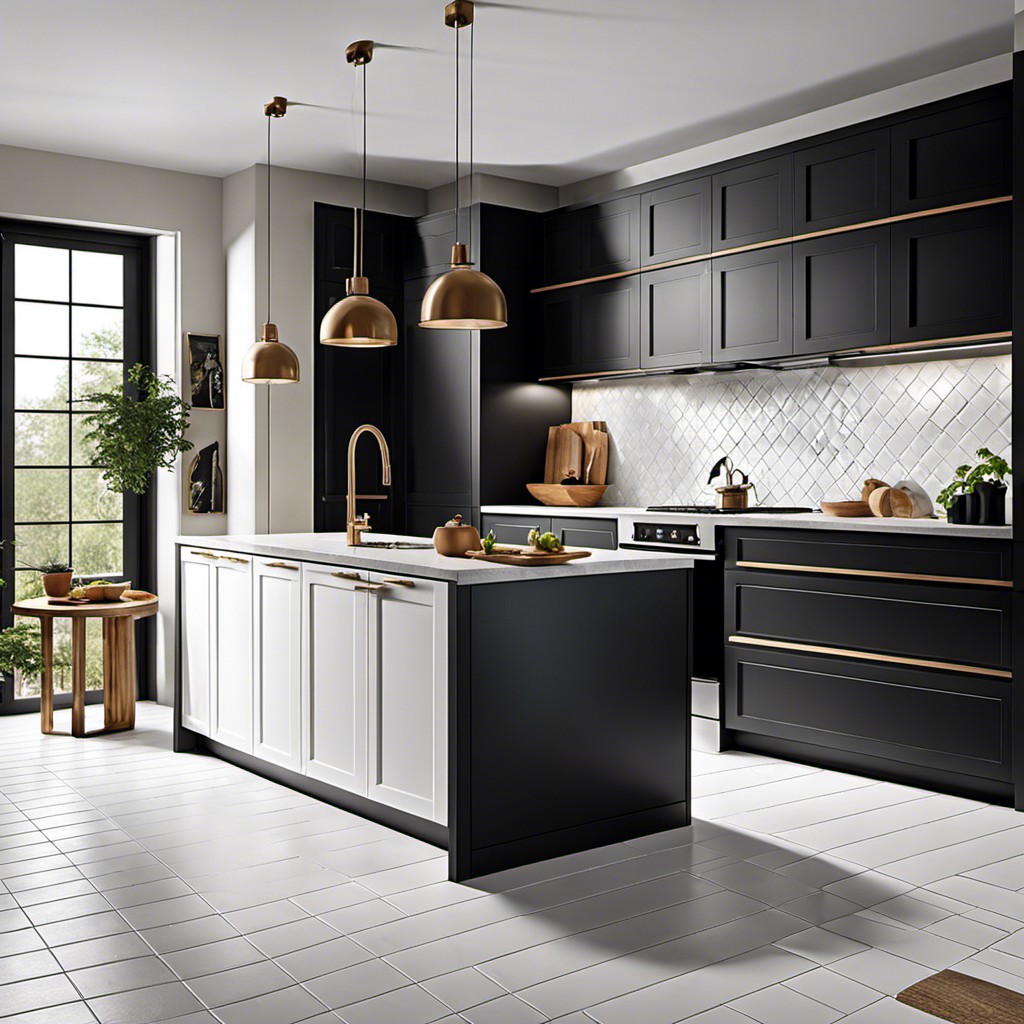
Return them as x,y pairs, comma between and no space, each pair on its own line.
565,89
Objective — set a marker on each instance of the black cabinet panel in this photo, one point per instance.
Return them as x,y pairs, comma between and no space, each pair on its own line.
948,624
592,328
583,532
675,316
428,244
676,222
599,239
841,291
752,305
422,520
514,529
955,156
562,248
560,320
844,182
382,244
951,275
934,720
753,203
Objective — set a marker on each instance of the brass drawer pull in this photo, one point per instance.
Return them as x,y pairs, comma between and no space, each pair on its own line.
346,575
281,565
874,574
205,554
400,583
371,588
231,558
889,659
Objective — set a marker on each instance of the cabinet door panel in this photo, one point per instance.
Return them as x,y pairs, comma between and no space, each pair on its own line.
752,305
844,182
334,678
198,631
753,203
514,529
951,275
841,291
561,326
586,533
232,689
562,248
407,700
954,156
676,222
277,632
675,315
610,325
610,236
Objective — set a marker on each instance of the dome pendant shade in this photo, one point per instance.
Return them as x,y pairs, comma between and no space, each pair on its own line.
463,299
270,361
359,320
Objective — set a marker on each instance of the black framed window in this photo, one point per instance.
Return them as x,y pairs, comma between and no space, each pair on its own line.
74,313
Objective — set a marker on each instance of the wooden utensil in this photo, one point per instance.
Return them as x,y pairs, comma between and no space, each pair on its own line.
846,509
595,450
529,556
564,454
871,484
880,502
580,495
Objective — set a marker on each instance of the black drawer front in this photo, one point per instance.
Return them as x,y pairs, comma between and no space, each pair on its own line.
935,720
967,559
514,529
942,624
586,533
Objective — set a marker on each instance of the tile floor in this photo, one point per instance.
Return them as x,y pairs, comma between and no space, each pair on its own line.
142,886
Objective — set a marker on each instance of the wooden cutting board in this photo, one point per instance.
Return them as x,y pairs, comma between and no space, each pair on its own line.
565,453
529,556
593,468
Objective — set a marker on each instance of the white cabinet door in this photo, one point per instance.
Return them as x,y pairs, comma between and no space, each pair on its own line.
231,694
277,661
197,638
407,707
334,676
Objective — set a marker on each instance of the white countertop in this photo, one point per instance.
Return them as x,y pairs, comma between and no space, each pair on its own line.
333,549
796,520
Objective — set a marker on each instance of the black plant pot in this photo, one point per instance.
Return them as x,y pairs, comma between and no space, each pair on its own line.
991,496
964,510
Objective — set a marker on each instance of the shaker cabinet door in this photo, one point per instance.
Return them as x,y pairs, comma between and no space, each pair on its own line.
198,635
231,692
753,203
675,316
676,222
752,305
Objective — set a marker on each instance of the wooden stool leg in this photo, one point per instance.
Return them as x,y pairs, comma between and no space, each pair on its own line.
46,693
78,676
119,673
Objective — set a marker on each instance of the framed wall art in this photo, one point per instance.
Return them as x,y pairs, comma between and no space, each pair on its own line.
206,371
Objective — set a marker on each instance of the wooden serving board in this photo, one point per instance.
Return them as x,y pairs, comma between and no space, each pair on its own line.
564,455
527,556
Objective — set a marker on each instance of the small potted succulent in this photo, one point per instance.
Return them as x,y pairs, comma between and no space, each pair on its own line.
977,494
56,578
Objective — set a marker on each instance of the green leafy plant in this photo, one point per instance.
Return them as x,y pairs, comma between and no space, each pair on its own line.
488,542
989,467
544,541
21,649
137,429
54,566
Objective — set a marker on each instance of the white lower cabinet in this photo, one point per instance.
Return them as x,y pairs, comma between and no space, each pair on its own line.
197,636
277,661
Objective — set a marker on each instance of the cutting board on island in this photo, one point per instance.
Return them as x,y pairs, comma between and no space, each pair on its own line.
592,452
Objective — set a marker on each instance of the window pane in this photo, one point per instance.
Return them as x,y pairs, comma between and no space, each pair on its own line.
90,498
40,383
40,495
40,329
37,544
88,378
97,332
40,272
82,451
29,686
27,584
97,277
41,438
98,549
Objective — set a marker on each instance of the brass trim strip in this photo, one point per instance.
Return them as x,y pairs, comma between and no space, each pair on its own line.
281,565
371,588
347,575
889,659
232,558
400,583
787,240
908,346
205,554
873,573
600,373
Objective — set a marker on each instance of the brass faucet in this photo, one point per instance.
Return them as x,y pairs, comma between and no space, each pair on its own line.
354,524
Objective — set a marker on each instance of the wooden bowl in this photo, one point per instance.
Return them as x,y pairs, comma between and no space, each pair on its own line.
112,592
847,509
455,541
579,495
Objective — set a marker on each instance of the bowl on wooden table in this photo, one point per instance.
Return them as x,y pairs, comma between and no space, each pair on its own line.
567,495
101,591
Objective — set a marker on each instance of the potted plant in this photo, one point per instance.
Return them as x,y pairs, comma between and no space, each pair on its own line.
977,494
56,578
137,429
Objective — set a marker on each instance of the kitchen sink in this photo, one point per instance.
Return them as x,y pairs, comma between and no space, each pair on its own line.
409,545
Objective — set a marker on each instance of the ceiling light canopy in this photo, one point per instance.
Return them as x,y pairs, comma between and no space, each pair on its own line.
270,360
463,298
359,320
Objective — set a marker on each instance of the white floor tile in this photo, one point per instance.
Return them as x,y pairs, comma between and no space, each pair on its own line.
833,990
882,971
780,1005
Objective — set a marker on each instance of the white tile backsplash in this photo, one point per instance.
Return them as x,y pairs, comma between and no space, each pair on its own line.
802,435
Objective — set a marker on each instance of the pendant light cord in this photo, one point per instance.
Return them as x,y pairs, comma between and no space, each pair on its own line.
472,39
269,250
362,211
457,186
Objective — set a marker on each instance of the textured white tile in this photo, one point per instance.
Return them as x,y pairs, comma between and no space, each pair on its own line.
833,990
882,971
781,1005
821,946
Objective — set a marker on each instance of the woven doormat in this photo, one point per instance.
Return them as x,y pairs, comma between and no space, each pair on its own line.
965,1000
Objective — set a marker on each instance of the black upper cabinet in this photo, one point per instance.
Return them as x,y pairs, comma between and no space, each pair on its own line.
428,243
752,305
841,291
844,182
382,246
753,203
951,275
675,316
595,240
955,156
676,222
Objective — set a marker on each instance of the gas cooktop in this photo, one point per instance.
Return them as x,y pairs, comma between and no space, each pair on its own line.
695,510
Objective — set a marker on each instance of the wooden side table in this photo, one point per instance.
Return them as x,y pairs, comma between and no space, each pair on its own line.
119,687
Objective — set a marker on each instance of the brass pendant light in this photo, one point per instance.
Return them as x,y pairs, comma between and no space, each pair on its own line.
463,298
359,320
270,360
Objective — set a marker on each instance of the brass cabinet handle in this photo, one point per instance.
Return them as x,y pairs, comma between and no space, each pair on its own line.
400,583
205,554
873,573
889,659
232,558
346,575
281,565
372,588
